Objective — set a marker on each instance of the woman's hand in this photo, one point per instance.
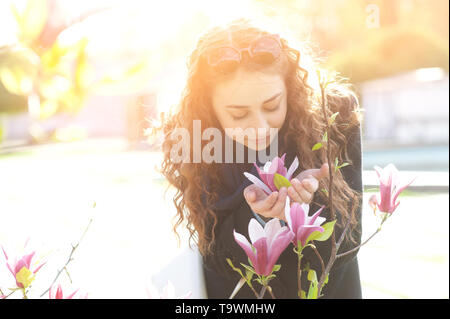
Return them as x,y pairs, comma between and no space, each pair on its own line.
306,184
302,191
270,206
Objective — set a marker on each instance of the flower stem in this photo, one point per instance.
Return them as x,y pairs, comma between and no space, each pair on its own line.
322,265
263,291
365,242
299,275
254,291
68,259
271,292
330,190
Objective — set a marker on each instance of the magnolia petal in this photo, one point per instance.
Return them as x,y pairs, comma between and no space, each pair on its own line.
27,259
278,246
319,221
39,267
312,220
287,212
298,215
281,232
261,266
305,231
267,179
385,195
271,230
255,230
266,167
401,189
245,245
274,166
292,168
4,252
281,169
72,294
255,180
19,265
305,208
373,201
59,293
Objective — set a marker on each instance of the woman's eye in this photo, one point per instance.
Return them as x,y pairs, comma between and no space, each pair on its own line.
272,108
238,117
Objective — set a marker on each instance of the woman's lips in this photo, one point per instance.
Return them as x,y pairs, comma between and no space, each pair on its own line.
261,140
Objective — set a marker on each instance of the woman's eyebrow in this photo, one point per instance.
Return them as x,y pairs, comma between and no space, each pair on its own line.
266,101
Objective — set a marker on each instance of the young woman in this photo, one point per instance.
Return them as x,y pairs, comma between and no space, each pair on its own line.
240,76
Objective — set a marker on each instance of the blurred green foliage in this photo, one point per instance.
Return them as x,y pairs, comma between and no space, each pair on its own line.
55,76
44,75
409,34
392,51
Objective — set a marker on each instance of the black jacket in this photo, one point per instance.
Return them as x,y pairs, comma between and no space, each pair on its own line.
233,212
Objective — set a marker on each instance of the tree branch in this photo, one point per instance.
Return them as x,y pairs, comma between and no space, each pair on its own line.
68,259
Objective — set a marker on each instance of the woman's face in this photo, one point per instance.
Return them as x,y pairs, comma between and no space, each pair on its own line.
251,100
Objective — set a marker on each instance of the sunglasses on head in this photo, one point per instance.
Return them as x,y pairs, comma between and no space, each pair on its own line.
263,50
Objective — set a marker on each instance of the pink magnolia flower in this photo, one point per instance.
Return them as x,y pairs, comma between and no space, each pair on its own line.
59,294
267,172
168,292
22,268
390,189
267,244
300,223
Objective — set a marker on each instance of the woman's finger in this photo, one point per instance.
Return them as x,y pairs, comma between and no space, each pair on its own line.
301,191
317,173
278,208
295,197
311,184
264,205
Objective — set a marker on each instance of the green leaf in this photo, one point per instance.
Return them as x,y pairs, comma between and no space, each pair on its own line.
336,164
313,288
303,294
248,276
312,276
234,268
325,137
332,118
313,291
324,191
270,277
343,165
317,146
276,268
280,181
327,231
248,268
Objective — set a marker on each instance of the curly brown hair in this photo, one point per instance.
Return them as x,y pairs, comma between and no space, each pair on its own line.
304,126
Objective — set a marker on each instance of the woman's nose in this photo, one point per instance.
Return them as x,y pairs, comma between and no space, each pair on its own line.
261,125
